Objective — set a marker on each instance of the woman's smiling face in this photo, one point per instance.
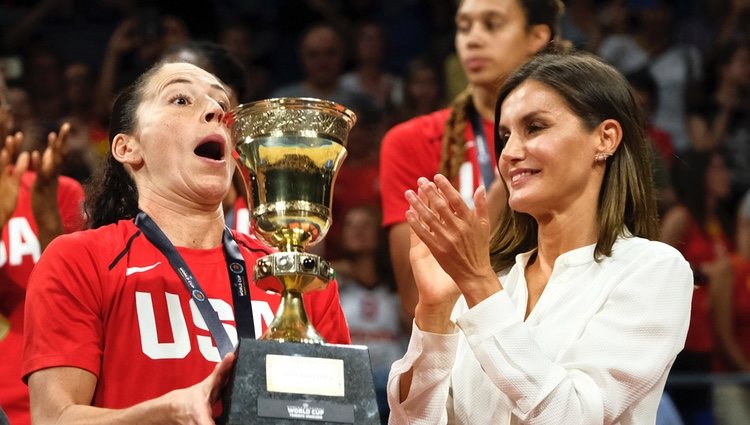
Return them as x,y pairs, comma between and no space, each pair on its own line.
548,158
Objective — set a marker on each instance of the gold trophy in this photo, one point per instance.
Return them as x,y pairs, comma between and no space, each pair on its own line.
293,149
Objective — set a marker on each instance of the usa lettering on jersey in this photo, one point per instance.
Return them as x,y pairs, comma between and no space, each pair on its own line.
21,242
181,344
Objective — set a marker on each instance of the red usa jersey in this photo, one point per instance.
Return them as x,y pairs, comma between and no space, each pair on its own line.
19,251
107,301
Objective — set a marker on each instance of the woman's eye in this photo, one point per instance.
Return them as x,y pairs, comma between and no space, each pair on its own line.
533,128
463,26
180,99
492,25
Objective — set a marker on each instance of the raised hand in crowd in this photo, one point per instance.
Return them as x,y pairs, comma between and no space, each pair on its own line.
44,203
10,175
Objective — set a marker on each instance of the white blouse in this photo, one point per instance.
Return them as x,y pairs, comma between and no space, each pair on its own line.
596,348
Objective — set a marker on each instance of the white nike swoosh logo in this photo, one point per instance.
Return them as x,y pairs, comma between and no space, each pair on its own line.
133,270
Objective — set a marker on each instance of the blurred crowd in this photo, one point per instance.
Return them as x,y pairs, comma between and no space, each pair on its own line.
688,62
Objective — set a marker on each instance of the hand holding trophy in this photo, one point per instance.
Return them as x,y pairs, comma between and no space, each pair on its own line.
293,149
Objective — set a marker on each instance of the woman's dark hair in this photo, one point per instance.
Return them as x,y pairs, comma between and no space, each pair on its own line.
111,194
594,92
537,12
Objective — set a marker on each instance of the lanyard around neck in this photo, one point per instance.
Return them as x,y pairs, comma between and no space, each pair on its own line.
486,167
237,276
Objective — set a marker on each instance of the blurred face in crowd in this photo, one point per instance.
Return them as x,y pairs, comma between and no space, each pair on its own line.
370,44
182,147
360,231
737,71
423,86
493,38
78,84
322,56
717,178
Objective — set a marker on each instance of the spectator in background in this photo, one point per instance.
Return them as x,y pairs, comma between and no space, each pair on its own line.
423,89
580,24
322,56
676,68
700,227
134,46
368,295
43,80
731,19
492,39
743,226
722,119
237,39
358,181
87,141
731,319
24,117
647,95
369,77
35,207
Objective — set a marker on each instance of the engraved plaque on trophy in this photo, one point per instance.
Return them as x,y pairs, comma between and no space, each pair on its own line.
292,149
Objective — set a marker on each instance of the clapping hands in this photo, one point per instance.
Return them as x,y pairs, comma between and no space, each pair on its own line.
10,175
450,248
44,190
44,203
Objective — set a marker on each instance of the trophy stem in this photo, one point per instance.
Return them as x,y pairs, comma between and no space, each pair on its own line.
290,323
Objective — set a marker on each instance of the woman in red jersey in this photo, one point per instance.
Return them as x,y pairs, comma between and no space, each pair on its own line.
114,334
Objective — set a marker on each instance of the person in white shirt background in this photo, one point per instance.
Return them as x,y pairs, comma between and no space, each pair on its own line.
570,313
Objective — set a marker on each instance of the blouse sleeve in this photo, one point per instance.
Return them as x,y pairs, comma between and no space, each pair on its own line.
432,357
623,352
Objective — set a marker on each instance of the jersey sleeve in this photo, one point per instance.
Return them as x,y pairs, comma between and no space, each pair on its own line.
407,153
326,315
63,324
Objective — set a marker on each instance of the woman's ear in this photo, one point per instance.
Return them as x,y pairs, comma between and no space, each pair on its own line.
610,136
127,150
539,36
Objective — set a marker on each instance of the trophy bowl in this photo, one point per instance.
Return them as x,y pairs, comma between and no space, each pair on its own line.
292,149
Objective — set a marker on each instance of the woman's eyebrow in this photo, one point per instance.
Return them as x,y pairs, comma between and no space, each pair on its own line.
186,81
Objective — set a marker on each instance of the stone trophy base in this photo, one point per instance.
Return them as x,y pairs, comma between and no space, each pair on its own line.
290,383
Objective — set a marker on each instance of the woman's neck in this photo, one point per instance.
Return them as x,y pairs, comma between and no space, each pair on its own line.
562,234
185,226
484,99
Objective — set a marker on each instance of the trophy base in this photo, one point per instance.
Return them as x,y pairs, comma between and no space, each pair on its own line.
293,383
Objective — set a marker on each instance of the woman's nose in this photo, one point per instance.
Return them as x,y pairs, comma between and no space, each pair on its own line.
214,111
512,150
